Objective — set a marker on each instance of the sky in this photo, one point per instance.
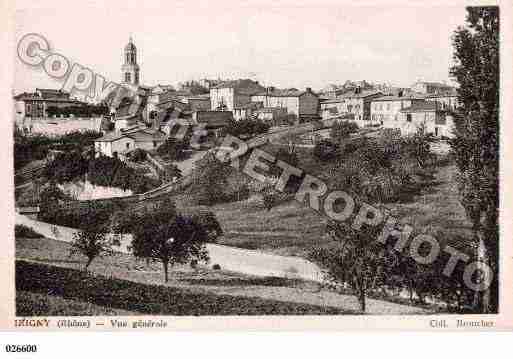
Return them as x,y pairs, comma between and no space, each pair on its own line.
280,45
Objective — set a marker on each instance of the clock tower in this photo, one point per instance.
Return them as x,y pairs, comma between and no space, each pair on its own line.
130,69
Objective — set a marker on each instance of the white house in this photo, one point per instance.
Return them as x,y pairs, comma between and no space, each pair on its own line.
114,144
426,114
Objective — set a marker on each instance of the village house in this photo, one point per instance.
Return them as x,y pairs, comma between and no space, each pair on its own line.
425,87
113,144
303,104
118,143
357,104
273,115
197,102
213,121
35,104
427,115
385,109
231,94
448,101
332,108
246,111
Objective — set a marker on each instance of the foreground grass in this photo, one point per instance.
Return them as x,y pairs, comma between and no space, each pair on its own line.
37,304
117,294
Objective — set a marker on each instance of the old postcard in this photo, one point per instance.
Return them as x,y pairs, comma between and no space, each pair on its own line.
244,165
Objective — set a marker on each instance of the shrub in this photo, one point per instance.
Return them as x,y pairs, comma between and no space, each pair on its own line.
22,231
108,171
173,149
137,155
246,128
216,267
66,167
342,130
325,150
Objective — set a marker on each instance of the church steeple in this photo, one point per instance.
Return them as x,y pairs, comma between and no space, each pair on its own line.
130,68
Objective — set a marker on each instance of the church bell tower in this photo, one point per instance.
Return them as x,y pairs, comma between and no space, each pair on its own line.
130,69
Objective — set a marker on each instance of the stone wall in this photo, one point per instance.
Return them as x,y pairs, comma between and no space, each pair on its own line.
59,126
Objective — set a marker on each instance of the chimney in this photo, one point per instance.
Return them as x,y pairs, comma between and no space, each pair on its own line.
400,94
357,90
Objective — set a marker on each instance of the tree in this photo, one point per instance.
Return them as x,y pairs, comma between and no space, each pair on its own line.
66,167
209,180
476,142
360,261
210,223
161,234
91,240
173,149
325,150
418,147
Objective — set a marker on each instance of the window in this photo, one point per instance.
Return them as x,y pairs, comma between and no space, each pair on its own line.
436,131
388,107
408,117
127,77
154,143
127,146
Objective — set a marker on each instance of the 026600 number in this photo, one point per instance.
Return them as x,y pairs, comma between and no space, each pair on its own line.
16,348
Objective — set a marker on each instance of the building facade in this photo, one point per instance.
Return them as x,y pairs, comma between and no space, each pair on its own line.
229,95
425,87
303,104
358,104
426,115
385,110
35,104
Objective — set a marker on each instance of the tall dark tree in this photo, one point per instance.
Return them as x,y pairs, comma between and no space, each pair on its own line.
476,142
209,180
92,240
161,234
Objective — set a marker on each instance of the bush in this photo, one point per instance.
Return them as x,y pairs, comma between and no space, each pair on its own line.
325,150
137,155
22,231
66,167
246,128
216,267
173,149
342,130
111,172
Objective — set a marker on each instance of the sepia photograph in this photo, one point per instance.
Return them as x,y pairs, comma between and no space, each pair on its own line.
285,160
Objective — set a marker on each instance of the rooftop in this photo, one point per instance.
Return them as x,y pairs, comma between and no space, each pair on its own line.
362,94
423,106
242,86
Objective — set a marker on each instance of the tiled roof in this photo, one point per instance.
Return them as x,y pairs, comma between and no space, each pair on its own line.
243,86
424,106
110,137
147,136
214,119
399,98
332,100
282,93
362,94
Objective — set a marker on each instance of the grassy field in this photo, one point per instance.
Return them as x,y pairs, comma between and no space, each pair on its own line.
60,285
292,228
37,304
52,293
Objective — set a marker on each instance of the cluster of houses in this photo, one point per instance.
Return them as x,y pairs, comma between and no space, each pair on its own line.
426,104
146,123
